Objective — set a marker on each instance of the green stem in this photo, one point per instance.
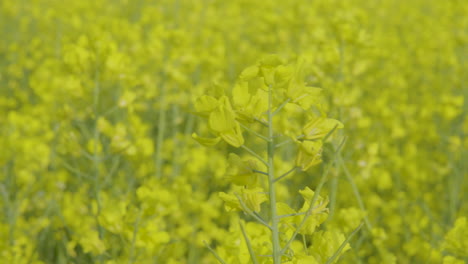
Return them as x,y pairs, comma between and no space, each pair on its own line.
131,259
333,191
289,215
96,159
343,245
260,172
175,133
161,131
284,143
314,198
355,191
249,245
286,174
251,213
261,122
304,243
9,212
255,155
214,253
308,213
271,185
254,132
281,106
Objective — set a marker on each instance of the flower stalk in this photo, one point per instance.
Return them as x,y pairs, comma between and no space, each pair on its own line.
271,185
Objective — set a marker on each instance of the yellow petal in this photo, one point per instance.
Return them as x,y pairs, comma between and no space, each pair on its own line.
205,104
234,136
206,141
222,120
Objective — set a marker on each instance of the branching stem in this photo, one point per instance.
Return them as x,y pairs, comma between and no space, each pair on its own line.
343,245
253,132
255,154
251,213
261,172
281,106
249,245
355,191
314,198
277,253
214,253
286,174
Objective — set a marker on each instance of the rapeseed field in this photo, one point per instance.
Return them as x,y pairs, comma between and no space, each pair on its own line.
244,131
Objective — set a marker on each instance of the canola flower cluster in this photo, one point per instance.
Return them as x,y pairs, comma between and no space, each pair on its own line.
325,131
